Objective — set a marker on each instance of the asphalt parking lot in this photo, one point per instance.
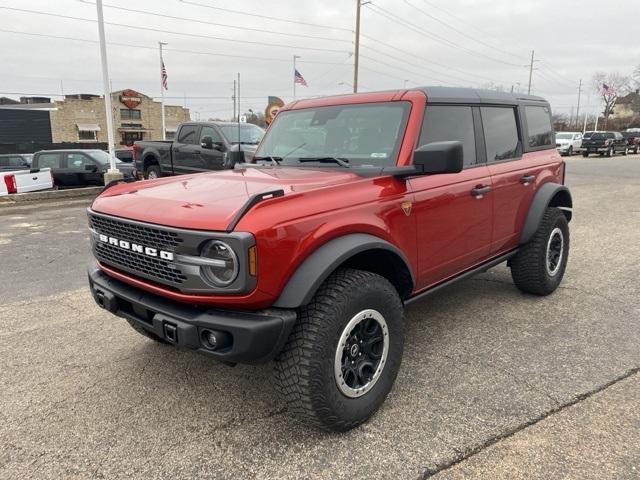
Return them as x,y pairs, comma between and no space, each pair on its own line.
494,383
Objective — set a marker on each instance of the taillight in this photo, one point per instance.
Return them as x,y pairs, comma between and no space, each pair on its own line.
607,141
53,180
134,152
10,182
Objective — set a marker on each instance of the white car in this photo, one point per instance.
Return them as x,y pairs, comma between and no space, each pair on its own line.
568,143
22,181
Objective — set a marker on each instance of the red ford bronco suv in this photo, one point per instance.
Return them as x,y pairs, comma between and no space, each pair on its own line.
352,207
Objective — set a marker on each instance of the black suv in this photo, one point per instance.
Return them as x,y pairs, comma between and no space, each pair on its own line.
604,143
633,141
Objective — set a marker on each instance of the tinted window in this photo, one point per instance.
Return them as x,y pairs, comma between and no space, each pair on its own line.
444,123
211,132
187,134
15,161
77,161
49,160
539,129
500,133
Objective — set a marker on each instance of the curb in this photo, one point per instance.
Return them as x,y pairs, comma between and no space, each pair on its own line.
49,195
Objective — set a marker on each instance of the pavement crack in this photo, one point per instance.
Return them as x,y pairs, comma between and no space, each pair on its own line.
431,471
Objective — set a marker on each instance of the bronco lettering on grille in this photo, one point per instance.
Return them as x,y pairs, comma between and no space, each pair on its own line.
134,247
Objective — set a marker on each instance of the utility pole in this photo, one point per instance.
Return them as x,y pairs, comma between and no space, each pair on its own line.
164,121
239,145
357,51
295,57
530,73
113,173
234,100
578,107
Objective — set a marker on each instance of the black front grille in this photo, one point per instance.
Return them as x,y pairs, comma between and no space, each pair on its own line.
147,236
153,268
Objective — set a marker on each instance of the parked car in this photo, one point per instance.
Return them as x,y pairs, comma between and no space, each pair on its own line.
25,180
16,161
78,168
198,147
567,143
125,155
309,254
633,141
604,143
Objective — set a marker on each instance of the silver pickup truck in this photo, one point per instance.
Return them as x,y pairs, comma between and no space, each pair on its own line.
23,181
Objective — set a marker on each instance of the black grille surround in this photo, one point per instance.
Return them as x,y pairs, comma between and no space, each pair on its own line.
182,272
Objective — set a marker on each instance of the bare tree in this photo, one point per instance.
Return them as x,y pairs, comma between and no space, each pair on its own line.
610,86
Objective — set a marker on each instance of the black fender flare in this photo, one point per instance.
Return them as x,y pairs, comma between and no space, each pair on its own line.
548,195
314,270
150,159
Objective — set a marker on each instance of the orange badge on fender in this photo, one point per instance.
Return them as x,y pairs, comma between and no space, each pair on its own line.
406,208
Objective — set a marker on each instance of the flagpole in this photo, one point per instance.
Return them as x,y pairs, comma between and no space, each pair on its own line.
164,122
295,57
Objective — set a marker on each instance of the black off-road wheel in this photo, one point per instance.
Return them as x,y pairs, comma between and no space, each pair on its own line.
152,172
344,353
145,333
539,265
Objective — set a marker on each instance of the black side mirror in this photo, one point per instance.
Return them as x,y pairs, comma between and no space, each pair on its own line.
438,157
206,142
91,168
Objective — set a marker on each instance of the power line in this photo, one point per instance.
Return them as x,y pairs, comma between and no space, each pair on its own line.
205,22
411,26
417,74
177,50
170,32
279,19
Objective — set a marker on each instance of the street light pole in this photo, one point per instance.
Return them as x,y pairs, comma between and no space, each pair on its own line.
357,49
164,121
578,108
113,173
530,73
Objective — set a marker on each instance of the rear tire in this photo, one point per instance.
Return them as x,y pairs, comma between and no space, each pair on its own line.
152,172
344,353
539,265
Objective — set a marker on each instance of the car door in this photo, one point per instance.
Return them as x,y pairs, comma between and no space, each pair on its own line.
453,211
52,160
211,158
82,170
186,149
514,173
577,141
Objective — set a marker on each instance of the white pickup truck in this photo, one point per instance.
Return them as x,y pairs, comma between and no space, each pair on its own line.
22,181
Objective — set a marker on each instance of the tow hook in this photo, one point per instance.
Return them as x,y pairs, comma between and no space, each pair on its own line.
170,332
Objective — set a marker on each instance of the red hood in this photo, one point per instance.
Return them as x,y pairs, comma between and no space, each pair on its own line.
208,201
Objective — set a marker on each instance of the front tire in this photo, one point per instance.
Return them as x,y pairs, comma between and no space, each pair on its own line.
539,265
585,154
570,151
344,353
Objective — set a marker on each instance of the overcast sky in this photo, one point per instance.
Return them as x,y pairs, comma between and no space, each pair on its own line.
414,42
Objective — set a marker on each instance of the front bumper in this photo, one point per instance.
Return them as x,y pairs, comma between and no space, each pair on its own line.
256,336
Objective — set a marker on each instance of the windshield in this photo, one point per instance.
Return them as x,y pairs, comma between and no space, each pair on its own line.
362,134
564,136
249,133
101,157
600,136
588,134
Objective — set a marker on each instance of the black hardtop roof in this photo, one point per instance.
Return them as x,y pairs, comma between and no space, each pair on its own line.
476,95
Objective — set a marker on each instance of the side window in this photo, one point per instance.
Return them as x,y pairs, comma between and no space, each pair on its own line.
445,123
49,160
4,161
187,134
211,132
500,133
539,129
16,162
77,161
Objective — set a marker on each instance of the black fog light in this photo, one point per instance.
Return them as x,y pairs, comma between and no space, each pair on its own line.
215,339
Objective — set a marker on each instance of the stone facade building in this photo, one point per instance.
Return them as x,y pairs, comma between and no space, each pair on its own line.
81,118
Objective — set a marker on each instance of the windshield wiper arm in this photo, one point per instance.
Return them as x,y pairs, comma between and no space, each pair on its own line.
273,160
343,162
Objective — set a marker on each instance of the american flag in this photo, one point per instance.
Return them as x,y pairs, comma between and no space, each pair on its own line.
298,78
163,75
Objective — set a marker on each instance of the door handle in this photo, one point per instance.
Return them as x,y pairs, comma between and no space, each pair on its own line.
480,190
527,179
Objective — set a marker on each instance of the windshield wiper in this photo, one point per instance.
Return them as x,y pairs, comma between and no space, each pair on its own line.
343,162
273,160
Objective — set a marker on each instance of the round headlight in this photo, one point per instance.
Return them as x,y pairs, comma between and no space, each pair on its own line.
223,268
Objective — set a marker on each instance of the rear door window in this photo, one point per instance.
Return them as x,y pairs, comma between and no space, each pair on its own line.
210,132
449,123
187,134
78,161
539,128
500,133
49,160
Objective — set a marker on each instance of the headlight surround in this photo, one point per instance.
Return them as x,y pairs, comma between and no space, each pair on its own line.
223,267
